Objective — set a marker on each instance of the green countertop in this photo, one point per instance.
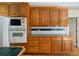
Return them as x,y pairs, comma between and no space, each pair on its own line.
10,51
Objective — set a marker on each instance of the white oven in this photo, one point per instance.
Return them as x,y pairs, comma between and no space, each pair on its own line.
18,30
18,37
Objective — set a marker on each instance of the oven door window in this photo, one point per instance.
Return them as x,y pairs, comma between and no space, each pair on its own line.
15,22
17,34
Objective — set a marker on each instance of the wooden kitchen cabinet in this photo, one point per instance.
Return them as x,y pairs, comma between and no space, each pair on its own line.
33,49
45,45
33,41
4,10
13,9
67,44
63,17
54,16
23,9
34,13
19,9
57,45
44,16
33,44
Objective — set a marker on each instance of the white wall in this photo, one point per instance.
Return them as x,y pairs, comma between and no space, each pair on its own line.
73,13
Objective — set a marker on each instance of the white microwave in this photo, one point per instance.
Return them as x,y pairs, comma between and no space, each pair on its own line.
18,22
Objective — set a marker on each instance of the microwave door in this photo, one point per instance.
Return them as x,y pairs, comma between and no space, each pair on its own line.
15,22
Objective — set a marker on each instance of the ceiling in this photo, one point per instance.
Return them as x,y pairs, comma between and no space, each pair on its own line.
71,5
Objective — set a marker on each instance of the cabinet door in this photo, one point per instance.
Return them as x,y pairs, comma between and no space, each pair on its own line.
57,45
33,44
44,16
54,17
67,44
63,17
14,9
23,9
4,10
34,13
33,41
45,44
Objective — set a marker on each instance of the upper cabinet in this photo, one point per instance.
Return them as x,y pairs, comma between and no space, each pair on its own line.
63,17
13,10
23,9
54,17
4,10
34,16
20,9
48,16
44,16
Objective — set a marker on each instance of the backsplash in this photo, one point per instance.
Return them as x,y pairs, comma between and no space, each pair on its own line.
50,31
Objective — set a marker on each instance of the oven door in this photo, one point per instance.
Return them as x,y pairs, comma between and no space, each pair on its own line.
18,37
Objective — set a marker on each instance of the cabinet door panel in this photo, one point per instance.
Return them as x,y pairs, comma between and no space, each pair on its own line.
23,9
63,17
14,9
4,10
33,44
45,44
57,44
44,16
32,49
33,41
34,13
54,17
67,44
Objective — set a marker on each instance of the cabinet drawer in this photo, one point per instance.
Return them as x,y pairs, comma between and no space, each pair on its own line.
33,38
45,38
33,43
33,49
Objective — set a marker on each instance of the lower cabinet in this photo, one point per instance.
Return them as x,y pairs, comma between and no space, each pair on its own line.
33,44
45,44
67,44
33,49
57,46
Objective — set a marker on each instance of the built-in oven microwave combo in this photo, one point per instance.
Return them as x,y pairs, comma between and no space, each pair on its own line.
18,29
18,22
